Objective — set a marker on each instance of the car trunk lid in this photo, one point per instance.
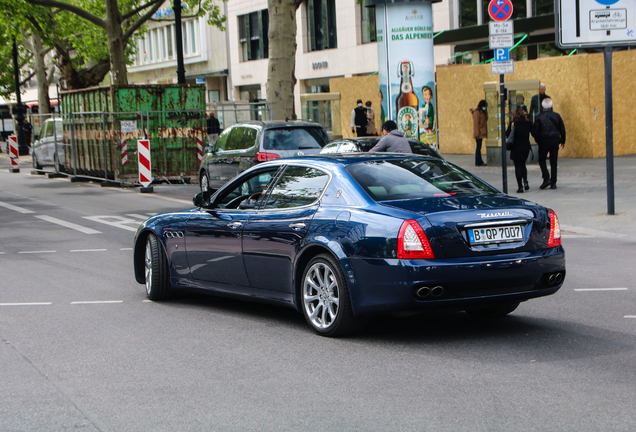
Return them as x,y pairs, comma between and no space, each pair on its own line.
480,225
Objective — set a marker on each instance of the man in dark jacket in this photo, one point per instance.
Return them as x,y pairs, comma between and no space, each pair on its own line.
359,120
549,131
214,129
393,141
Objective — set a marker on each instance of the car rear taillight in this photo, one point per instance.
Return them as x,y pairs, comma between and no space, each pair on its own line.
413,243
555,231
264,157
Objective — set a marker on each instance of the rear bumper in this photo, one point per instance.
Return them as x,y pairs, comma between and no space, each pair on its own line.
390,285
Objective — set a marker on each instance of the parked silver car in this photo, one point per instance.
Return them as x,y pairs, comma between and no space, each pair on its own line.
44,151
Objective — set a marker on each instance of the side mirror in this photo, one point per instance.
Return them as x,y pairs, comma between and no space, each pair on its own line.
209,149
202,199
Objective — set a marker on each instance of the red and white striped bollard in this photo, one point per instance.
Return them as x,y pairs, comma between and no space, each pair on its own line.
145,173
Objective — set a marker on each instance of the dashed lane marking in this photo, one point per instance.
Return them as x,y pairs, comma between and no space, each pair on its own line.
70,225
96,302
629,316
15,208
27,304
89,250
37,252
126,249
601,289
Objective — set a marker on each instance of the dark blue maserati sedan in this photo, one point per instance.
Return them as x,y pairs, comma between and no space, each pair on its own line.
344,237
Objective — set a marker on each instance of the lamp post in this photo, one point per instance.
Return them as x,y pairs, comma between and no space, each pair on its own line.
19,110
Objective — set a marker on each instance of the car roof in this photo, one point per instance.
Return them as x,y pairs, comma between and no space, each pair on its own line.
272,124
345,159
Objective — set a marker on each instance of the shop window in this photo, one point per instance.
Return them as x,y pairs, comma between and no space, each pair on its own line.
368,24
321,25
213,96
253,28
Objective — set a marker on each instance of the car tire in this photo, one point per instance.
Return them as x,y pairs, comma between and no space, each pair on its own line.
36,164
204,183
156,270
325,299
493,311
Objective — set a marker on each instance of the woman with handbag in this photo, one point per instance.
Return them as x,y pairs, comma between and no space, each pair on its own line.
518,142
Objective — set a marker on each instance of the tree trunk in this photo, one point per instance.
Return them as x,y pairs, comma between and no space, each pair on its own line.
281,69
114,33
44,103
86,77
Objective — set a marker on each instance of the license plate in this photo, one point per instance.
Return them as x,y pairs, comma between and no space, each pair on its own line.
498,234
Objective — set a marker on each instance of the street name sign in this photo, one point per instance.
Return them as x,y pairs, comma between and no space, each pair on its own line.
503,67
595,23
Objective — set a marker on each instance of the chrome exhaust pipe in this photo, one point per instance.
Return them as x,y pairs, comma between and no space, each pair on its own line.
437,291
423,292
558,278
551,279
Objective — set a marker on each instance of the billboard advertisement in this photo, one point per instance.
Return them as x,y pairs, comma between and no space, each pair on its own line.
407,68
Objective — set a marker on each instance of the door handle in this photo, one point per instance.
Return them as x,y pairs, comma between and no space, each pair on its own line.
234,225
297,226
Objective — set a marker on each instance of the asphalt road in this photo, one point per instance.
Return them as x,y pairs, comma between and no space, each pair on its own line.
82,349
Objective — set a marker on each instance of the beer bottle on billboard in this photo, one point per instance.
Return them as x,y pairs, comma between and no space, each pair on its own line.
407,103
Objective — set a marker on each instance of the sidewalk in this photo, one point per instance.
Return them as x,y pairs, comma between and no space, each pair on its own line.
580,200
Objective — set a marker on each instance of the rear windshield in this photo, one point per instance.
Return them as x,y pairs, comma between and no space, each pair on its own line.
295,139
415,178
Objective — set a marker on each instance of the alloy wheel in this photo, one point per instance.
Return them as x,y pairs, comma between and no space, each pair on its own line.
148,264
321,295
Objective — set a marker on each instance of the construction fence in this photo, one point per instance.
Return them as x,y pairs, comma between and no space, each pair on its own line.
103,145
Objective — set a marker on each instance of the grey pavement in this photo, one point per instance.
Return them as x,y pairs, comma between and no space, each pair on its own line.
580,201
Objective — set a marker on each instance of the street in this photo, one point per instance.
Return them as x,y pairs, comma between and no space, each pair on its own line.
83,349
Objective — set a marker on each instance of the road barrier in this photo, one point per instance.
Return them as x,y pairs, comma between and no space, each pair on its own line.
13,154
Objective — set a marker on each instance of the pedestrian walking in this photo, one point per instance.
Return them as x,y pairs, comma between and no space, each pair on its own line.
549,132
480,131
359,120
393,141
370,120
520,128
214,129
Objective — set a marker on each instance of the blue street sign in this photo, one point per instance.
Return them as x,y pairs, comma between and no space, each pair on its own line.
502,54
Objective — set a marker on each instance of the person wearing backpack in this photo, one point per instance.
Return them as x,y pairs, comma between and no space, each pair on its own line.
549,132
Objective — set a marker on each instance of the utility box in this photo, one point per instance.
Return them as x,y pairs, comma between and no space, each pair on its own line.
102,126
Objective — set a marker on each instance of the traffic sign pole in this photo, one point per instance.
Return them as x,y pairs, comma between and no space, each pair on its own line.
504,161
609,129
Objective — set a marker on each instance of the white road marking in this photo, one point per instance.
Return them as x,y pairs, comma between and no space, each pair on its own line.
97,302
70,225
37,252
1,253
89,250
15,208
116,221
27,304
629,316
146,301
126,249
601,289
138,216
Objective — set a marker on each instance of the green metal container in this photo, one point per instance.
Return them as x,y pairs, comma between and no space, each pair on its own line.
98,119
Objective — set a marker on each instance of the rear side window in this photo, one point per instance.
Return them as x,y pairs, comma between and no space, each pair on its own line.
415,178
236,141
296,187
222,141
340,147
295,139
